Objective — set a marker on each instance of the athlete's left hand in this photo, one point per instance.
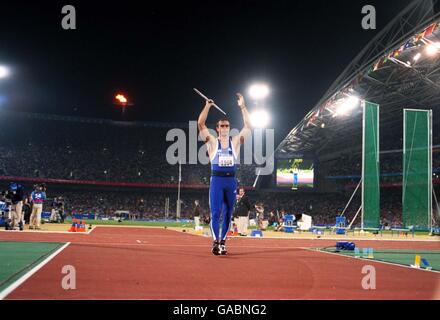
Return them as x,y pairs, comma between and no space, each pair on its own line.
240,100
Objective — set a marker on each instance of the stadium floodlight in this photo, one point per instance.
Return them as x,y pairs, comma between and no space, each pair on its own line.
433,48
344,106
4,72
417,56
259,119
258,91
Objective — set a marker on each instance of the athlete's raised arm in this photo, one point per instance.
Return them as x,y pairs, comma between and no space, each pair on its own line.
246,131
201,123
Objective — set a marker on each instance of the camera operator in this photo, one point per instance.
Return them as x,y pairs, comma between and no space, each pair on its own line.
60,208
259,207
196,211
27,209
241,212
38,197
6,197
57,213
16,195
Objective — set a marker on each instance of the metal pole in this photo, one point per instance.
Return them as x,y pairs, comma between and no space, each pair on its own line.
351,198
431,224
352,221
178,192
363,164
438,210
167,207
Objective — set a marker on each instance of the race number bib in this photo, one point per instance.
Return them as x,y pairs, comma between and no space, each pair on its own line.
225,161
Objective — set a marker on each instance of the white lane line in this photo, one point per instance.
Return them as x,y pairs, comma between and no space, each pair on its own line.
29,274
370,260
27,232
91,229
434,240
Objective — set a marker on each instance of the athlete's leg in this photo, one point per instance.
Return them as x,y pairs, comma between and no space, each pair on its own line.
230,194
215,204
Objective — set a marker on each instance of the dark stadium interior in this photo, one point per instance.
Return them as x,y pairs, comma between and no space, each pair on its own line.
59,124
203,151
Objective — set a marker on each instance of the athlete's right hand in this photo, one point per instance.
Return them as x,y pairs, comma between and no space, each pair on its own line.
209,103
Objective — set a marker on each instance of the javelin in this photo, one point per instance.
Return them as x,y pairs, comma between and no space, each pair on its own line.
206,98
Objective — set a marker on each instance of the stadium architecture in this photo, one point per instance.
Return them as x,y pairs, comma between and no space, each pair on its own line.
399,68
363,117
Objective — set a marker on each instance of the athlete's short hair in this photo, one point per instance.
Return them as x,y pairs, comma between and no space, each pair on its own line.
222,119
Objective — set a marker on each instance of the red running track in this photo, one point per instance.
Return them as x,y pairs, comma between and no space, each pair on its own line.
152,263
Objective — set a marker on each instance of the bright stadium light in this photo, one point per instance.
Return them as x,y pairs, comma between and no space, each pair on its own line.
417,56
259,119
258,91
4,72
433,48
347,104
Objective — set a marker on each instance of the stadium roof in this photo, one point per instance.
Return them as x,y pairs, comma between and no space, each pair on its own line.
388,72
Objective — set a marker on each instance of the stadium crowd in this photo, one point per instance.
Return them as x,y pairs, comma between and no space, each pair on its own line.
391,163
81,149
110,151
151,204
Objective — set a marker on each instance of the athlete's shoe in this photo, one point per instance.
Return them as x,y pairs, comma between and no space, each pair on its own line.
223,250
216,248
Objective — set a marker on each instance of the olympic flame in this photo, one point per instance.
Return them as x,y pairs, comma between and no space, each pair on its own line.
121,98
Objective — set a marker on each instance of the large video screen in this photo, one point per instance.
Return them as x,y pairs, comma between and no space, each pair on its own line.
295,174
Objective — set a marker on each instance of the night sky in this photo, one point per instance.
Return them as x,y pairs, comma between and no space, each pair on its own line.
157,52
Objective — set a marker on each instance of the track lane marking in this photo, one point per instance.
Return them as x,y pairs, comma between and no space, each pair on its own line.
8,290
370,260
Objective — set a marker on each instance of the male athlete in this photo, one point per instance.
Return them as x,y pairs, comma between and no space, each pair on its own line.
223,153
